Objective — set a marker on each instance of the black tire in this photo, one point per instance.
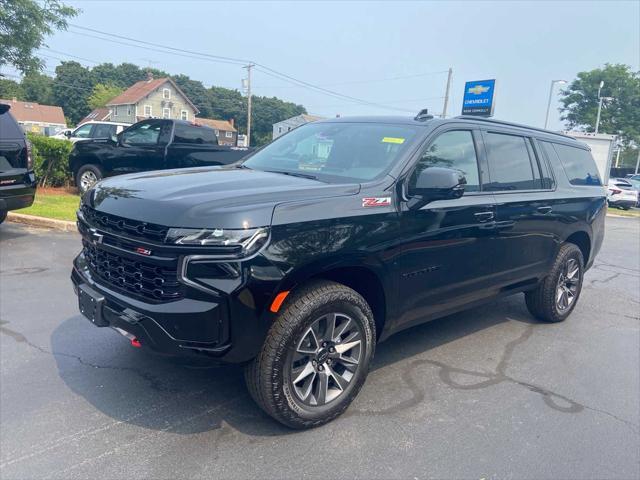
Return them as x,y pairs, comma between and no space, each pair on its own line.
624,207
269,375
543,302
3,215
85,171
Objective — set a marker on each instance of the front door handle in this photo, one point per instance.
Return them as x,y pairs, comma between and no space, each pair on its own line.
544,210
483,217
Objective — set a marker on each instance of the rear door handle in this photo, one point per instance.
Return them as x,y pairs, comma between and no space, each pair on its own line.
544,210
483,217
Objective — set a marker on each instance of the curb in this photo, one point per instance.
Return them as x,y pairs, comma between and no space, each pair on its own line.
622,216
42,222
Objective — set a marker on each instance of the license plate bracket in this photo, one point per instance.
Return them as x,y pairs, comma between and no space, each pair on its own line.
90,303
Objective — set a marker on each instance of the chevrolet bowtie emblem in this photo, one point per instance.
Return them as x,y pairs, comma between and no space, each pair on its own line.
95,237
478,89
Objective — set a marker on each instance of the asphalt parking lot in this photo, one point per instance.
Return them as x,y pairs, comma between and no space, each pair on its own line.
488,393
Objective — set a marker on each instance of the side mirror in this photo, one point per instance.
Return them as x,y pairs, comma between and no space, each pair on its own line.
437,183
67,134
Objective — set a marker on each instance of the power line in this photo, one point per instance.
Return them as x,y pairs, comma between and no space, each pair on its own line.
377,80
263,68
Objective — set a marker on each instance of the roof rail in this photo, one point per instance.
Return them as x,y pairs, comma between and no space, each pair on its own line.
511,124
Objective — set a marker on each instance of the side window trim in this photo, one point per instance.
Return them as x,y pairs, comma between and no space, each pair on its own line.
413,162
484,132
546,166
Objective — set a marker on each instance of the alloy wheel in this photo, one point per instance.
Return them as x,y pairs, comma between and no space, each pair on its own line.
568,284
326,359
87,180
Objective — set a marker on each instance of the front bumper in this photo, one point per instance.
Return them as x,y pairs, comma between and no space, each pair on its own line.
226,327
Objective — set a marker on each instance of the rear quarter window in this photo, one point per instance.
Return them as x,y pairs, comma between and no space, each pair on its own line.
578,164
9,128
194,135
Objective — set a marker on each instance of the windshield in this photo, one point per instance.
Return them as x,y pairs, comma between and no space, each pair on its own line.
335,152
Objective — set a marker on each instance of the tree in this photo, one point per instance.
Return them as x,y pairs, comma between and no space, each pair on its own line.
23,26
196,92
37,88
72,88
10,90
619,116
102,94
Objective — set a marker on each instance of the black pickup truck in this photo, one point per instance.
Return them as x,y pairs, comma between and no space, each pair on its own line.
153,144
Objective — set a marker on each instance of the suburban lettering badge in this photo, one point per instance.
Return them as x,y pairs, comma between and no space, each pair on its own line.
376,201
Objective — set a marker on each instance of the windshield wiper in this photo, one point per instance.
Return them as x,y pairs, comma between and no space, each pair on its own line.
294,174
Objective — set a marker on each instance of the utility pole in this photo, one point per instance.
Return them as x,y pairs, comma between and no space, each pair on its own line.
553,82
249,67
638,162
446,94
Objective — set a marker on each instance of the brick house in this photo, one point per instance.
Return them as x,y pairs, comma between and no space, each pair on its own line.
43,119
151,98
225,130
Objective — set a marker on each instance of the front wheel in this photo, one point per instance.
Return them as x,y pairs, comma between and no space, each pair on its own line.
3,215
316,356
556,296
87,176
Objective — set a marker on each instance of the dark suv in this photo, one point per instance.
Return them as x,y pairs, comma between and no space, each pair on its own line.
298,260
17,180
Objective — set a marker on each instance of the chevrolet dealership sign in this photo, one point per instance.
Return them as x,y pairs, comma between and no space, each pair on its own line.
478,98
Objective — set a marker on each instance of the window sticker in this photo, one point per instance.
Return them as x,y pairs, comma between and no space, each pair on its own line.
397,140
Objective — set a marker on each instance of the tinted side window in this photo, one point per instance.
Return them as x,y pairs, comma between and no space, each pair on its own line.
84,131
455,150
101,130
579,165
510,164
144,134
9,127
194,135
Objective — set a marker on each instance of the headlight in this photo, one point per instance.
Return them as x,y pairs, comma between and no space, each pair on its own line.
231,242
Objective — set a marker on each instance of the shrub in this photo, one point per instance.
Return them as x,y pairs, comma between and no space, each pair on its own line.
50,160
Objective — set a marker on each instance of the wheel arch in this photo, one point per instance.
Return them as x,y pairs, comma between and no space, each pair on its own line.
364,278
582,240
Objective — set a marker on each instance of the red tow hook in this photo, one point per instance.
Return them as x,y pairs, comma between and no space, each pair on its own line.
135,342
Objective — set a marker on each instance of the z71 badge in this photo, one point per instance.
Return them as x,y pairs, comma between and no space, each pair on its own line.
376,201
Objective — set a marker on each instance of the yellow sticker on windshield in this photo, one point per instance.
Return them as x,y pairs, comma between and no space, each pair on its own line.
393,140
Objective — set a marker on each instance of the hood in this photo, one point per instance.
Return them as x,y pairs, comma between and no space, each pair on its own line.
215,197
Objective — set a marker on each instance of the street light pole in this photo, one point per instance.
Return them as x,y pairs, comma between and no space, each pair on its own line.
599,106
553,82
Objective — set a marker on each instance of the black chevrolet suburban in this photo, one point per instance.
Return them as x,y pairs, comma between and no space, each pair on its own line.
152,144
17,179
298,260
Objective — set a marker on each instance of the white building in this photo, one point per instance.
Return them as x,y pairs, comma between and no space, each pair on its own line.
602,146
289,124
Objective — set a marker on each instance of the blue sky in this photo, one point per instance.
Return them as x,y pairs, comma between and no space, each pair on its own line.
359,48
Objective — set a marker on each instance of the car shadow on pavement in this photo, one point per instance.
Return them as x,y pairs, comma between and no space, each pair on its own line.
181,396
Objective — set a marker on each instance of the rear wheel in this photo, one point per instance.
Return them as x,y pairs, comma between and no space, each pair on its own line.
316,356
3,215
556,296
87,176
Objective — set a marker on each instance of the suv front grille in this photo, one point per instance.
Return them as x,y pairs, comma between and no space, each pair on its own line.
125,226
139,277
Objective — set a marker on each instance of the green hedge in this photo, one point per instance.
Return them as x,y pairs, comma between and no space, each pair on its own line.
51,160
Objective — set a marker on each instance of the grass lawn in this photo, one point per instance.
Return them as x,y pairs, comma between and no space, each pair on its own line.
634,212
58,205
